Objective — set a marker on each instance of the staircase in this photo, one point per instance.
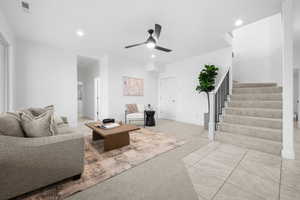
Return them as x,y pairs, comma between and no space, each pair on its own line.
252,117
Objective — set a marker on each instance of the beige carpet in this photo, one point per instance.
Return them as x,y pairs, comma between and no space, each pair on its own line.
100,166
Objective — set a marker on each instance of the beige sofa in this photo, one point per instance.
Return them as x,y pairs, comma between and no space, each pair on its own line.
27,164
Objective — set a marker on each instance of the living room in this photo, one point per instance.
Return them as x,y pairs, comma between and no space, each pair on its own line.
167,142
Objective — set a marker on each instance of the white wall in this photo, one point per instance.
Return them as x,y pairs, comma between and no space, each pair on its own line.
119,67
257,49
87,75
296,90
191,105
297,54
46,75
8,34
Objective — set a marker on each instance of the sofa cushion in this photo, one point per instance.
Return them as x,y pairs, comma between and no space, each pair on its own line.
10,125
64,129
131,108
40,126
135,116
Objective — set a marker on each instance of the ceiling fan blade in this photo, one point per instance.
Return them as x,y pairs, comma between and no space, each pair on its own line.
134,45
157,30
162,49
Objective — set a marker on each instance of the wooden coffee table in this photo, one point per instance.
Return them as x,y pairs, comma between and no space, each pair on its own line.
113,138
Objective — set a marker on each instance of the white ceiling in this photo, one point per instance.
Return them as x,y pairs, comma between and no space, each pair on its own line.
190,27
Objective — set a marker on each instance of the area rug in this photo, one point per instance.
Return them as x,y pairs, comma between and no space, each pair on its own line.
100,166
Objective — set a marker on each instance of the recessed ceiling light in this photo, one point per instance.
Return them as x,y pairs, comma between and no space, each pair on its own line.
153,56
80,33
239,22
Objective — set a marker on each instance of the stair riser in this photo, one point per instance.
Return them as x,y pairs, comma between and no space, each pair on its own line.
262,90
253,122
256,104
262,97
253,132
277,114
250,85
251,144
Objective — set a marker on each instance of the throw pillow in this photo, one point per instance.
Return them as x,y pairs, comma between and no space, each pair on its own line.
40,126
10,125
39,111
131,108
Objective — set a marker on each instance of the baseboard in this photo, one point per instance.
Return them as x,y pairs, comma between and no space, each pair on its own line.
288,154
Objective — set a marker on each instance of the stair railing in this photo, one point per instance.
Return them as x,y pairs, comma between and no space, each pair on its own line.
218,97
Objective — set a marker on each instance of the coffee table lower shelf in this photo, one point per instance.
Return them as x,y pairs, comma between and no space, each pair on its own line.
113,141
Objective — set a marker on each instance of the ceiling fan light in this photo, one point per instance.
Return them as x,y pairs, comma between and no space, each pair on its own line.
150,45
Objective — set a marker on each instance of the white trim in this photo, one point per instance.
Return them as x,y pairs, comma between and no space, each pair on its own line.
288,154
288,151
212,122
5,43
97,93
221,80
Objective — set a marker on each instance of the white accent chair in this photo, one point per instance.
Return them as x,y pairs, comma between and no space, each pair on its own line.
134,112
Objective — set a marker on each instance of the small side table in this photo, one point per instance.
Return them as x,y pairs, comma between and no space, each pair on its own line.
150,120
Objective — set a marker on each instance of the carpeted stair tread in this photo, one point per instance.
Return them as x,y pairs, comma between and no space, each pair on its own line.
253,121
256,104
257,97
255,112
252,131
247,85
258,90
259,144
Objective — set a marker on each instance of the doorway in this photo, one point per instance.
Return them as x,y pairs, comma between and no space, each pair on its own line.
97,98
4,74
297,96
168,98
88,70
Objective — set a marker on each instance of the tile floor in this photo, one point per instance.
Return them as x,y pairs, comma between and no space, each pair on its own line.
212,170
226,172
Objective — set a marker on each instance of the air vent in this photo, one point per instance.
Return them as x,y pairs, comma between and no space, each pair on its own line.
25,6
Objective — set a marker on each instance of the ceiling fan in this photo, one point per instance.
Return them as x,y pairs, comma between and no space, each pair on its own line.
152,40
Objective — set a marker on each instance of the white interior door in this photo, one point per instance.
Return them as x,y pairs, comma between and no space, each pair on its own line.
2,78
168,96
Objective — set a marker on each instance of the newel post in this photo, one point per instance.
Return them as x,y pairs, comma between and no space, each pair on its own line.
211,123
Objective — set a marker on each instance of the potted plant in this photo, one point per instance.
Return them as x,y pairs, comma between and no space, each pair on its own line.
206,79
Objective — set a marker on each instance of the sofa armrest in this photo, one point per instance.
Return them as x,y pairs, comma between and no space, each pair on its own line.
30,163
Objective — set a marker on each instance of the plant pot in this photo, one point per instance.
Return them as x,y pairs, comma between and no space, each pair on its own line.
206,120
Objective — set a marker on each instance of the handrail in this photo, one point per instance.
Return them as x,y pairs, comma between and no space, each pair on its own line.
221,81
217,102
